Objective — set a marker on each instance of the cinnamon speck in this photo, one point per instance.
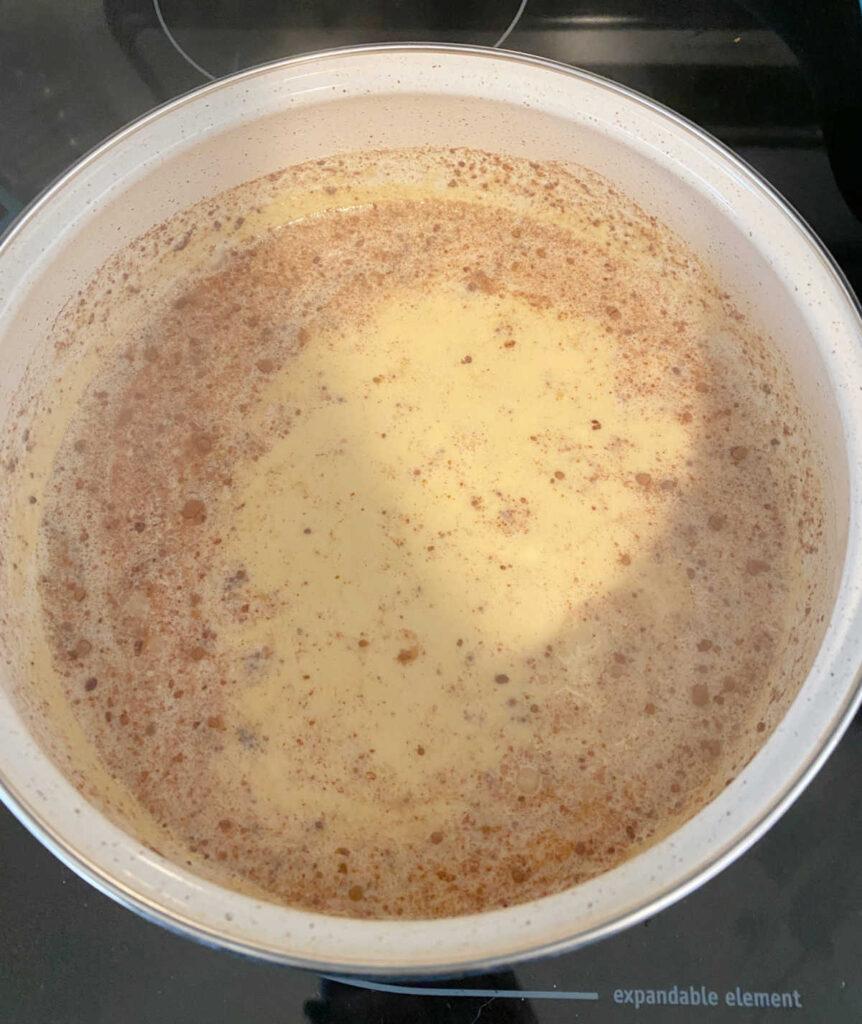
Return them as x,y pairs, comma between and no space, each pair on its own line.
699,695
756,566
81,649
194,511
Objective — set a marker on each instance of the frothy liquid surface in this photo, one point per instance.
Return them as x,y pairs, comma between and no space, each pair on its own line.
435,548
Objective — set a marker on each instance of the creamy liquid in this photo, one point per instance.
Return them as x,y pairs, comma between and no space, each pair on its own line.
437,545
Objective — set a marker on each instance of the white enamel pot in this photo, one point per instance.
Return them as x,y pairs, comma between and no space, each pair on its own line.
260,120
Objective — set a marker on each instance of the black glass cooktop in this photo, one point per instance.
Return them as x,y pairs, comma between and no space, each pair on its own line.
776,936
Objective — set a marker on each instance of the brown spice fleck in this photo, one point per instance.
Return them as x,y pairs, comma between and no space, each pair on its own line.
436,838
644,479
699,695
738,454
201,443
755,566
194,511
408,654
501,678
479,281
81,649
356,892
91,683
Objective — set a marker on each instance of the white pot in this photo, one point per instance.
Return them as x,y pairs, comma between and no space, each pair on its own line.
396,96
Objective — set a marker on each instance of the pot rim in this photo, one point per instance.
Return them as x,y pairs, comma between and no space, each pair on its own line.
151,909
